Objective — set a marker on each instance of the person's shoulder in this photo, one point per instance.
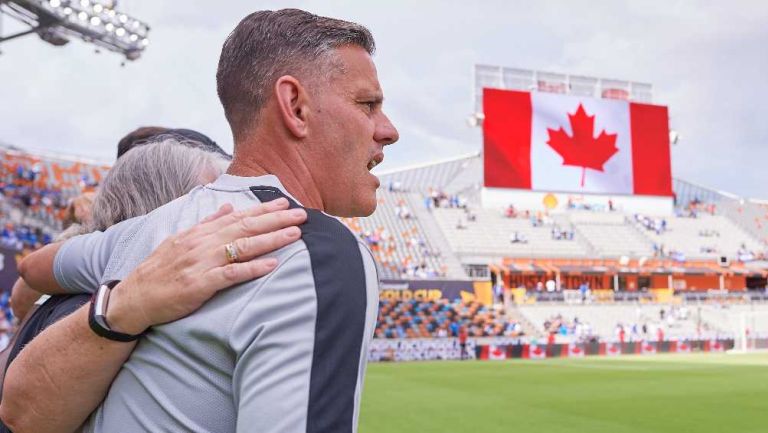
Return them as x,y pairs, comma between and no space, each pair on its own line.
328,233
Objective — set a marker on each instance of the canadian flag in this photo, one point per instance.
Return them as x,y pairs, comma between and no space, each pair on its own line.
716,346
554,142
648,348
497,352
575,351
612,349
683,346
536,351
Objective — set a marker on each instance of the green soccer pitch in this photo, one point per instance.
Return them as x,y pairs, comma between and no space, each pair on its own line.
676,393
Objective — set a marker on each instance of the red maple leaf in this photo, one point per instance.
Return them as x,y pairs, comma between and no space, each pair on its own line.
583,149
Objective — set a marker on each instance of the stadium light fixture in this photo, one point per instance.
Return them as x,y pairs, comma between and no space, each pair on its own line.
674,137
95,21
475,120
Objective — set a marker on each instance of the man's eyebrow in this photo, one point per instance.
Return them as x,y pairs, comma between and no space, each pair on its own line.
371,96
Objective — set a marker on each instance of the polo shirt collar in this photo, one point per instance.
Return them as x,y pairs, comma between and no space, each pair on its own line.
228,182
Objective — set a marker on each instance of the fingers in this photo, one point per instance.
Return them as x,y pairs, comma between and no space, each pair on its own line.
195,230
261,224
234,217
235,273
254,246
225,209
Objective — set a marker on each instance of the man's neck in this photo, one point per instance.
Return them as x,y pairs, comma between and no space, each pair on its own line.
294,176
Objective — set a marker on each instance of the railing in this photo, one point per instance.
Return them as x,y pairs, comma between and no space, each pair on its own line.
650,297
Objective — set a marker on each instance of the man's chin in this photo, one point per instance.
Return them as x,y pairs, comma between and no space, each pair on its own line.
359,210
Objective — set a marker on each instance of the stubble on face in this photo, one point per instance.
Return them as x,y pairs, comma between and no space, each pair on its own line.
347,108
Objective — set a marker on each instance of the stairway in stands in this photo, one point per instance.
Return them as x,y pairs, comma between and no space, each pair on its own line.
428,226
515,315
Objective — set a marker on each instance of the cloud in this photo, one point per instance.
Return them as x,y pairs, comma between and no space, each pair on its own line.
703,58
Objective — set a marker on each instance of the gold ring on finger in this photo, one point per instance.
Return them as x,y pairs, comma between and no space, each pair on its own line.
231,252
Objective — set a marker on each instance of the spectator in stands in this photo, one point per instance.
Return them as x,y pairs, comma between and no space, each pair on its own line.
551,286
402,211
584,291
510,211
518,238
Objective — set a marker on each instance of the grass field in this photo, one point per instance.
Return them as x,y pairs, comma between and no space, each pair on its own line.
630,394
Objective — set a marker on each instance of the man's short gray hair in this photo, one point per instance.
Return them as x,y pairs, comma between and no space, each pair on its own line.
148,177
269,44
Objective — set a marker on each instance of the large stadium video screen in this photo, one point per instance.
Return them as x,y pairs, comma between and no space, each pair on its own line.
554,142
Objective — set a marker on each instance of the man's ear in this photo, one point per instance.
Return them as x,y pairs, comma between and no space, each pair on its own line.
292,101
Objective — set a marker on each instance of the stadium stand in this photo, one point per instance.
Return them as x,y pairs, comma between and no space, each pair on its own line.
36,190
492,234
609,234
728,317
750,215
706,236
397,237
430,225
583,322
441,319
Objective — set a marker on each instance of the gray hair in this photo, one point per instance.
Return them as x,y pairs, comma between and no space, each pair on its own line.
148,177
269,44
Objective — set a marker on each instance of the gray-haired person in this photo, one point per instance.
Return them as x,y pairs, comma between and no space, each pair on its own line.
146,181
286,352
139,182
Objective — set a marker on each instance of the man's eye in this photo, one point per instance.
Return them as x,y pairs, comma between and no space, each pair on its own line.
370,105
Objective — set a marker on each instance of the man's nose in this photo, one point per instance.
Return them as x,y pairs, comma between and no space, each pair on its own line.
386,133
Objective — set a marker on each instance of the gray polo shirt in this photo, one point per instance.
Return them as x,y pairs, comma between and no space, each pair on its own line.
282,353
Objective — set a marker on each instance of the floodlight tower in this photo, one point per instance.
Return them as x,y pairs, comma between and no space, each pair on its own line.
94,21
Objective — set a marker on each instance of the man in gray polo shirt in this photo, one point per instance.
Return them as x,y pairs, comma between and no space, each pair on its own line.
286,352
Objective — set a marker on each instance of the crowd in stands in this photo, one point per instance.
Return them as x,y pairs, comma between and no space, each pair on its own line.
440,319
650,328
21,237
6,319
559,325
35,198
439,199
384,247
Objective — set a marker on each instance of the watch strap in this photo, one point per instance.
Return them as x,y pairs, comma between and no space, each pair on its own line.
97,315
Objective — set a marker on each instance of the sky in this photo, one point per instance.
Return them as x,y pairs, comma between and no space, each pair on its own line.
706,60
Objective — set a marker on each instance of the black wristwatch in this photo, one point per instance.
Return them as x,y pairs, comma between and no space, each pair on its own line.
97,315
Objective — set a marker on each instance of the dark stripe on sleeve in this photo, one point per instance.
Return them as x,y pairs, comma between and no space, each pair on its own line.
339,274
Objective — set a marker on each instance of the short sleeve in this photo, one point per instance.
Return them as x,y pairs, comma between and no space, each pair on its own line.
80,262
